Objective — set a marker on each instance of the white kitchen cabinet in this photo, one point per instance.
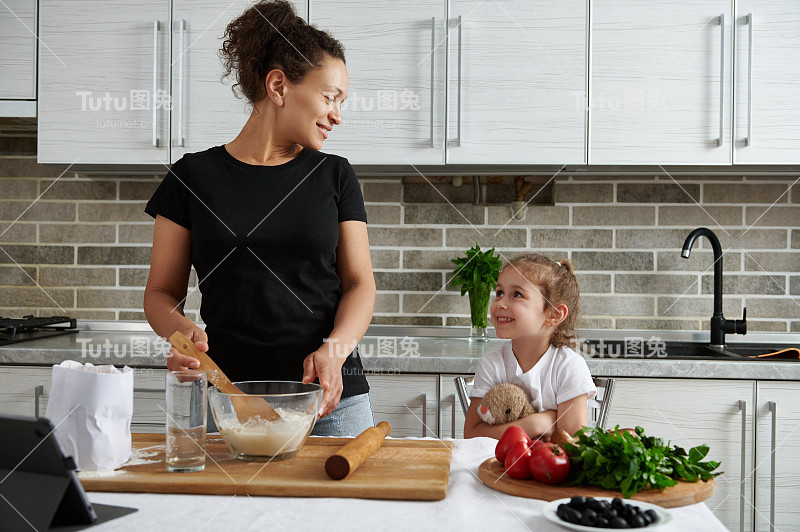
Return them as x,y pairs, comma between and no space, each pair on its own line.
516,100
205,111
767,82
517,82
18,46
693,412
394,113
104,82
660,88
408,402
137,83
149,400
777,464
24,390
451,416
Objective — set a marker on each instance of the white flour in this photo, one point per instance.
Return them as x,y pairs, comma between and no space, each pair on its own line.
141,456
100,474
145,455
260,437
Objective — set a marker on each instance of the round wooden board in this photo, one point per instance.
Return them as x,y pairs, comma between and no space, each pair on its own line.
492,474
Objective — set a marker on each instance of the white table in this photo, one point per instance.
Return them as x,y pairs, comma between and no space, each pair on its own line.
469,506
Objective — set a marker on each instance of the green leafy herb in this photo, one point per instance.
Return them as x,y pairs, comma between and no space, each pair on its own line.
623,462
477,274
476,270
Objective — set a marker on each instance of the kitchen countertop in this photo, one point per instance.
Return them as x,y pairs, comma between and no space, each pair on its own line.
391,350
469,505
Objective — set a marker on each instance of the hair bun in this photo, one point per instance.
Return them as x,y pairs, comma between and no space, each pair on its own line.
567,265
271,35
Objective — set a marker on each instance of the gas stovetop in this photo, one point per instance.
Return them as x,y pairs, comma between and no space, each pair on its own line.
15,330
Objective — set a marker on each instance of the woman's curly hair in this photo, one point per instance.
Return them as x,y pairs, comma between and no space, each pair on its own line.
267,36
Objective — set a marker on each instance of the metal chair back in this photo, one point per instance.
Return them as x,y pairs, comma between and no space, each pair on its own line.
598,407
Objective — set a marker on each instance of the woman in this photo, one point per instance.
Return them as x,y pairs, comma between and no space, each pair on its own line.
275,229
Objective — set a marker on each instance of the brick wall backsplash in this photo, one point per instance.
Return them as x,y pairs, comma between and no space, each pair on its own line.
80,245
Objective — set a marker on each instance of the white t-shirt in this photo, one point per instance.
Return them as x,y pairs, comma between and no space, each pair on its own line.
560,375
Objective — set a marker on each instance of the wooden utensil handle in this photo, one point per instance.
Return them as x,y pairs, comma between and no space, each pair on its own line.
215,375
353,454
246,407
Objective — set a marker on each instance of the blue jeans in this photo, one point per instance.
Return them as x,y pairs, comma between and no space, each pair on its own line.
351,417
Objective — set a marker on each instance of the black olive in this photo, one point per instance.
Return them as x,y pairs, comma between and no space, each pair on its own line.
560,511
601,522
650,516
589,517
617,503
577,502
619,522
610,514
596,505
571,515
629,512
636,522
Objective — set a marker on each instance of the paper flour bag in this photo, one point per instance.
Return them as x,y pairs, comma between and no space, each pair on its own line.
91,408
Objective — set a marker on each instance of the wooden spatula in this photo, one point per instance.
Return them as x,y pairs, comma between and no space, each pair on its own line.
246,407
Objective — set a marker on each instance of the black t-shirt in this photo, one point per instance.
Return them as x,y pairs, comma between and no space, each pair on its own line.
263,243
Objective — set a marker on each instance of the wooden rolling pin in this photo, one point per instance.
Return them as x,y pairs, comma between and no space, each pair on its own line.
353,454
246,407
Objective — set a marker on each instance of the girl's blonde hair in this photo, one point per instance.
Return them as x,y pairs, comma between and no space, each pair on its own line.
557,284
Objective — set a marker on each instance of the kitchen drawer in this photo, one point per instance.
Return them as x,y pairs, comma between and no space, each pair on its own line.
693,412
451,415
23,388
408,402
149,400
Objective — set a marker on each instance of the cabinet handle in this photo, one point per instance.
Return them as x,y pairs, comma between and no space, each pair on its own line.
453,426
743,409
149,390
424,415
773,407
181,31
155,83
433,62
721,78
38,391
749,21
457,142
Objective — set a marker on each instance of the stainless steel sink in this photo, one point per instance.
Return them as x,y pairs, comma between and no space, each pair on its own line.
655,349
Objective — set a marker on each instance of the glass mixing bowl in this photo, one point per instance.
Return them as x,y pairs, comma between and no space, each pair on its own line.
248,436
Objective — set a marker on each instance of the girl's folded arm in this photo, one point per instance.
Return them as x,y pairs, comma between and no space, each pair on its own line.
535,425
573,414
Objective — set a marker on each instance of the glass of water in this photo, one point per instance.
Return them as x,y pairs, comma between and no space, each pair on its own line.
186,420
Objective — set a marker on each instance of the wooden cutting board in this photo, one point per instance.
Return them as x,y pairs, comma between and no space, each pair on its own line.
492,474
399,469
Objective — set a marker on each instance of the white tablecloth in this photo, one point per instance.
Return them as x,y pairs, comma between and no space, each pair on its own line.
469,506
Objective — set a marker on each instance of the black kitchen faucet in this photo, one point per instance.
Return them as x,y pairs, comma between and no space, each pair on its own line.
719,325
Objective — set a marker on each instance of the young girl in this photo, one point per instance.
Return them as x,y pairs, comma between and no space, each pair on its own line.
535,306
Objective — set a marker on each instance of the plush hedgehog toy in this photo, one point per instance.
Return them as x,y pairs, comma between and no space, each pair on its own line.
504,403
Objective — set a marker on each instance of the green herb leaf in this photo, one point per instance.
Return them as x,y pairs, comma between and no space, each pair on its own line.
623,462
476,270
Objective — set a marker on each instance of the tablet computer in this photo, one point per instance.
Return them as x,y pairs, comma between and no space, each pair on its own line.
38,485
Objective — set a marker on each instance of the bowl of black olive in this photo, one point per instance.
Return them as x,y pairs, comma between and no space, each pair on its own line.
605,513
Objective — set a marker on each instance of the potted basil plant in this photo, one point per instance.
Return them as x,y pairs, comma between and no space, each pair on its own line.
476,273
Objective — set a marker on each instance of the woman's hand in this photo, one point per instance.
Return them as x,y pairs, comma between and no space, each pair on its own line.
328,368
179,362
